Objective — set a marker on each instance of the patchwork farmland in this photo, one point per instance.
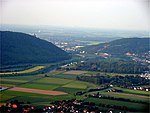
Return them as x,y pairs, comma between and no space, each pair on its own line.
41,89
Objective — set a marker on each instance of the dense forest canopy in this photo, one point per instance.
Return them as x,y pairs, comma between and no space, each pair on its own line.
111,66
20,48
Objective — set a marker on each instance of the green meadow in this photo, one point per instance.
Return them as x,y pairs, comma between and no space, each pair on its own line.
36,68
131,105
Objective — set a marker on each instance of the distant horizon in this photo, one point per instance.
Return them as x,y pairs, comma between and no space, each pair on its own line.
71,32
95,14
72,27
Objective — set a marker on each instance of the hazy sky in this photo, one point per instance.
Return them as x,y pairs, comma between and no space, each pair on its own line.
116,14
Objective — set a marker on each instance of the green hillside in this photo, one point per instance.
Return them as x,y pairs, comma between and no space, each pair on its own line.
121,46
20,48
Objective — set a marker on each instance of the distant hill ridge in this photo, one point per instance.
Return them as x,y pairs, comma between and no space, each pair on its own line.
121,46
21,48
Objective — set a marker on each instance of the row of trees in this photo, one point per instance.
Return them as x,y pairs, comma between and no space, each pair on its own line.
98,95
117,66
120,81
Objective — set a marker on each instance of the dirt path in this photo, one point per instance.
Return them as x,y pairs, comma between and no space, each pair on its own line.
38,91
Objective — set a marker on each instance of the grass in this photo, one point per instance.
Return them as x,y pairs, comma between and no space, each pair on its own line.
4,98
36,68
10,83
40,86
7,85
76,84
53,81
132,105
65,76
56,72
17,80
12,95
126,96
26,78
43,100
35,99
12,80
69,90
16,93
62,97
66,82
137,92
75,72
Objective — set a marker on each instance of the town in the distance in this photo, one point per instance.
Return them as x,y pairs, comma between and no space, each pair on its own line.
49,69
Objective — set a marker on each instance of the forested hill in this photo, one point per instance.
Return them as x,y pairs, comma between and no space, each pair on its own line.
20,48
121,46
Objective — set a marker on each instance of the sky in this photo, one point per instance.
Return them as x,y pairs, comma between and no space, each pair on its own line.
103,14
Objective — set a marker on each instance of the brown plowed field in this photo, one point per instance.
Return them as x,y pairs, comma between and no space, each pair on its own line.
37,91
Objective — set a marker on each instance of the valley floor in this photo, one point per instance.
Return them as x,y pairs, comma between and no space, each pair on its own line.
65,83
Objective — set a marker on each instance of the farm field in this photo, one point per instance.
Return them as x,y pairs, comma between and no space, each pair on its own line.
136,92
36,91
40,86
36,68
65,76
40,82
63,81
130,105
126,96
35,99
49,80
11,80
76,84
75,72
5,97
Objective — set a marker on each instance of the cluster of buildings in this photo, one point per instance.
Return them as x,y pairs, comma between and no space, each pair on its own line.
144,88
69,46
144,58
103,55
146,75
114,90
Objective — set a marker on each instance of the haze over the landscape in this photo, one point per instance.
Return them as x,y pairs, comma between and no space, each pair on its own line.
74,56
107,14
